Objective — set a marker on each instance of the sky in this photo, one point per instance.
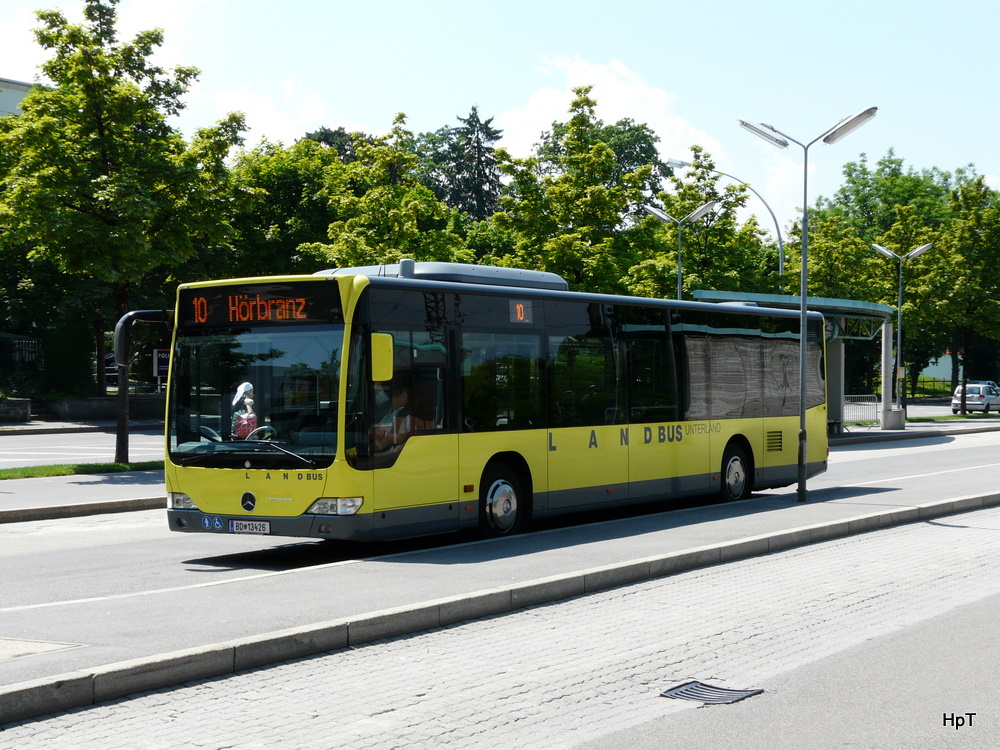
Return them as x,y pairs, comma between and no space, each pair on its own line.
689,69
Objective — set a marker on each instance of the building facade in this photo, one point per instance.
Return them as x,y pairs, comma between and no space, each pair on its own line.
11,94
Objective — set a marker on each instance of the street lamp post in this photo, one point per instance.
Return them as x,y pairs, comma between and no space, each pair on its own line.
693,216
775,137
677,164
899,310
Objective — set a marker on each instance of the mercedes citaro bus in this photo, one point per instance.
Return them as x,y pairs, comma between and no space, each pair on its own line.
417,398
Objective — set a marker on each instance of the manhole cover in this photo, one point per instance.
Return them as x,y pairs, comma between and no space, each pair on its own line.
699,691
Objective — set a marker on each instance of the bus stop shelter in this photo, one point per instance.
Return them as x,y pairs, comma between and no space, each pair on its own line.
845,319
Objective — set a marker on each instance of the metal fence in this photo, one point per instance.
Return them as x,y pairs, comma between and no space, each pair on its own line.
861,408
20,358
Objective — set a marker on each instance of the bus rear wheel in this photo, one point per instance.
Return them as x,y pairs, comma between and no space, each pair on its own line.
736,474
501,502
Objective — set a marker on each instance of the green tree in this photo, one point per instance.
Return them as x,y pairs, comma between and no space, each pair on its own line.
718,252
568,218
969,301
341,141
925,282
902,208
432,167
868,197
382,212
96,181
633,145
475,174
287,205
459,164
842,265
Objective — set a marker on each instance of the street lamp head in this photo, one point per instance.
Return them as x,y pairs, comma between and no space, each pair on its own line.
677,163
766,132
920,250
661,215
885,251
700,211
849,125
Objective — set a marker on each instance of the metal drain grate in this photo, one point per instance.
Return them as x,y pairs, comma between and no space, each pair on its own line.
699,691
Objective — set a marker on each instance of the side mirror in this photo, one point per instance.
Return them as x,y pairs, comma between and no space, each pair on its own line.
382,364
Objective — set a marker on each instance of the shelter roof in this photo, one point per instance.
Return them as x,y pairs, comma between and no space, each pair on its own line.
846,318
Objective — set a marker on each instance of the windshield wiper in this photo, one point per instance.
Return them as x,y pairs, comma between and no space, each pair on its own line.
255,443
307,461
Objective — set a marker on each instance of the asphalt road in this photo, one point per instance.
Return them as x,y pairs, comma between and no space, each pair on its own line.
17,450
172,591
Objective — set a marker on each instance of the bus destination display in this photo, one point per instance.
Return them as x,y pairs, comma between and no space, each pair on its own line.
267,304
520,311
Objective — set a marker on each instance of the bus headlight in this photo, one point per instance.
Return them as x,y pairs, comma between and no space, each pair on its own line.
336,506
180,501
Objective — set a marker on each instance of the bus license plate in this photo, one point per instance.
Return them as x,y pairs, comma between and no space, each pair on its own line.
249,527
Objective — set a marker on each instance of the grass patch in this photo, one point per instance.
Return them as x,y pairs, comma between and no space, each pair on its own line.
952,417
62,470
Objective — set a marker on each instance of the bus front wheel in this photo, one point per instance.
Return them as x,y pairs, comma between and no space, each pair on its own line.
500,500
736,474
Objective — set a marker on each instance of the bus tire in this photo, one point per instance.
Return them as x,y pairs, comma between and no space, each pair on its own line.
737,474
502,504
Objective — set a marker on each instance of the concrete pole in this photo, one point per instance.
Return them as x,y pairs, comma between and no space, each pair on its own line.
892,419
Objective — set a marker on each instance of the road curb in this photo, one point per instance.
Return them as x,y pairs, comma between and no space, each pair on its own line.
851,438
27,700
54,430
20,515
58,428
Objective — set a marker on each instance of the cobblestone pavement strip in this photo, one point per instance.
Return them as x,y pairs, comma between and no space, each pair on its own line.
557,675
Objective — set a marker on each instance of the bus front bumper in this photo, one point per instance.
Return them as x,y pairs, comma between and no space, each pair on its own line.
349,528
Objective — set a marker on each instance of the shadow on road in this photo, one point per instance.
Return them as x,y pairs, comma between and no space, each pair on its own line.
544,534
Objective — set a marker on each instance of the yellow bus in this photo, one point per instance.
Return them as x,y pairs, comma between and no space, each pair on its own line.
417,398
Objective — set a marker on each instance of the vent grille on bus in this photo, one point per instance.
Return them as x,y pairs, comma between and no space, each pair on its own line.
774,441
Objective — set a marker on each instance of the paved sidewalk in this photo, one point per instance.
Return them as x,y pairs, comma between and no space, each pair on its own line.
43,498
561,675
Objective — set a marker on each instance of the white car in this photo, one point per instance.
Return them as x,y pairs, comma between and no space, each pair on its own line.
980,397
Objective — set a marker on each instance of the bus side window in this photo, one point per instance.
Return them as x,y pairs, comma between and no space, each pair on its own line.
652,386
501,381
652,366
583,367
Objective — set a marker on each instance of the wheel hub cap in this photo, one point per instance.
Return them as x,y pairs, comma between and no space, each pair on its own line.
501,505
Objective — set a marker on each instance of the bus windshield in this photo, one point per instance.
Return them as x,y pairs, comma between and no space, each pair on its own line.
255,397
